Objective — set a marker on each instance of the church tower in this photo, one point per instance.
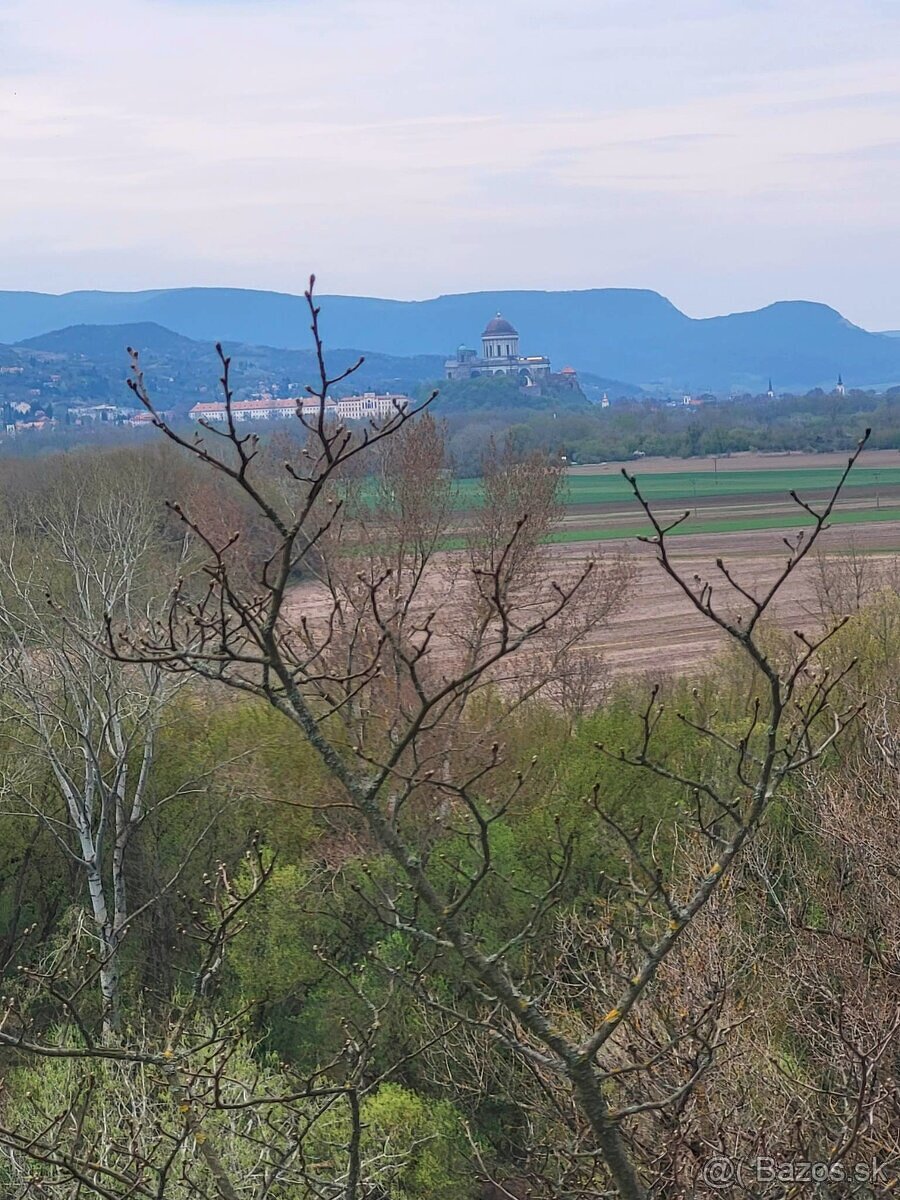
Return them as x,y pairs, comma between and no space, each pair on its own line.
840,389
500,341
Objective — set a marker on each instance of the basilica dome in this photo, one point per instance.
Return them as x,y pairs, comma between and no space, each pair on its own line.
499,327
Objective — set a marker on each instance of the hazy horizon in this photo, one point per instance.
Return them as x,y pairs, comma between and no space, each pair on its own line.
321,292
729,155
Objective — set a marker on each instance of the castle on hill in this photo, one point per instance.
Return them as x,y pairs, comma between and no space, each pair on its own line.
499,356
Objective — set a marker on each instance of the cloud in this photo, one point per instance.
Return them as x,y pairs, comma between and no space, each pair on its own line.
877,152
407,148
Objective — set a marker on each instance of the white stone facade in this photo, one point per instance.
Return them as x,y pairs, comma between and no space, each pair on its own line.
368,406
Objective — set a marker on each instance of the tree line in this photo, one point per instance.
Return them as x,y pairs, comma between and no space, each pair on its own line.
584,433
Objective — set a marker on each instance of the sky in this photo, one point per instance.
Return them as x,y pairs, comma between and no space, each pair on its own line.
727,153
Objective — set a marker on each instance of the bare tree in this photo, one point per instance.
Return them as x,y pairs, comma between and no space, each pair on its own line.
844,582
252,643
87,547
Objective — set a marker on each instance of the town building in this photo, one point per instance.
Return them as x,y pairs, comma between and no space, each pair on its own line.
79,413
368,406
499,356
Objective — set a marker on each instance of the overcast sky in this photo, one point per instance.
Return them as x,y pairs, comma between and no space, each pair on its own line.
727,153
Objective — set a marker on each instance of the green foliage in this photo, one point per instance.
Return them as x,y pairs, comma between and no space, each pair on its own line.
427,1142
303,939
273,955
493,392
125,1111
412,1146
871,638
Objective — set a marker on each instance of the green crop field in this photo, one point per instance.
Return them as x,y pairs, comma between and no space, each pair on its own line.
599,489
737,525
688,485
602,507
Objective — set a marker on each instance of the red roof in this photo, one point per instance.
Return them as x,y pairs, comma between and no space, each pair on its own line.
243,405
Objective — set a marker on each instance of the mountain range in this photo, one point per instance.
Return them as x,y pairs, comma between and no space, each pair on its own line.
616,333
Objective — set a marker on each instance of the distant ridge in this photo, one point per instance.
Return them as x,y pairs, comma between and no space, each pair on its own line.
107,341
616,333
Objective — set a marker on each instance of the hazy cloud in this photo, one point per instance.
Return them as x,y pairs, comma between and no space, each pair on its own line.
728,153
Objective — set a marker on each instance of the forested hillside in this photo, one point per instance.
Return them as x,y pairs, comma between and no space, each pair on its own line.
89,364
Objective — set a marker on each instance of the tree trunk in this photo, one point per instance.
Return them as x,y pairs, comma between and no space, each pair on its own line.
109,966
609,1140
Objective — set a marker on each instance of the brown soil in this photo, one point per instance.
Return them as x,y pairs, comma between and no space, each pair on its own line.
659,632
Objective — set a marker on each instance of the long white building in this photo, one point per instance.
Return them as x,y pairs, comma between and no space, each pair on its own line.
368,406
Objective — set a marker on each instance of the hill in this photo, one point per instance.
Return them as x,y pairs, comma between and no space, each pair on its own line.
103,342
84,363
615,333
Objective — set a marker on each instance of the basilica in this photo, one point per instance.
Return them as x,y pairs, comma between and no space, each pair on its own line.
499,356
